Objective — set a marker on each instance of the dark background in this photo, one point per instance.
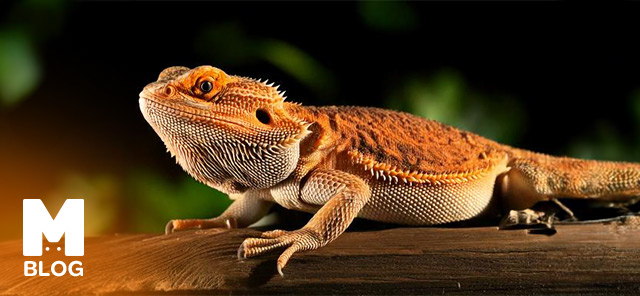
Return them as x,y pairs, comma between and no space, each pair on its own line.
551,77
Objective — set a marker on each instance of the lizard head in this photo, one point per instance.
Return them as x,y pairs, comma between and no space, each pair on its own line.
229,132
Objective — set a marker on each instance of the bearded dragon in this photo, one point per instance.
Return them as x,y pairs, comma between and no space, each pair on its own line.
239,136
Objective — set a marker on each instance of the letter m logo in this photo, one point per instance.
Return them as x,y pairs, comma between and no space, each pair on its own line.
37,221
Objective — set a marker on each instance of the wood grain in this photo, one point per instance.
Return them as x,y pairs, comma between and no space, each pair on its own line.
595,258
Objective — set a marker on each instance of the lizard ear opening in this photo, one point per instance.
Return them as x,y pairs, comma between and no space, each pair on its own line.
263,116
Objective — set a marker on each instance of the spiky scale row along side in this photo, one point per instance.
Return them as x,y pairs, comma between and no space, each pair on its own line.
394,174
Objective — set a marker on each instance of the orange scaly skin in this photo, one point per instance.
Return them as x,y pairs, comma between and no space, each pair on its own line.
238,135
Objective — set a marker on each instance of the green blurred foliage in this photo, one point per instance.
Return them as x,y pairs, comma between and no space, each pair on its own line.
603,142
299,65
42,19
142,201
445,97
388,15
101,194
19,67
156,200
607,142
228,44
29,24
635,107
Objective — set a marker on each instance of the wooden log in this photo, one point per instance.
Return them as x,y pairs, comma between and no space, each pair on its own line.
594,258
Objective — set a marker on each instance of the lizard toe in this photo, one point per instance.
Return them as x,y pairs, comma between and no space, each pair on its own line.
273,233
284,257
183,224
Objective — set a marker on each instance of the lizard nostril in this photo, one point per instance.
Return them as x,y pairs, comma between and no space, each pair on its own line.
168,90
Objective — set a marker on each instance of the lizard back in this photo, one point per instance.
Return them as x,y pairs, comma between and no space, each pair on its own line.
393,139
421,172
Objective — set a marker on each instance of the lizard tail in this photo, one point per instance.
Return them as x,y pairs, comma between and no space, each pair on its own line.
535,177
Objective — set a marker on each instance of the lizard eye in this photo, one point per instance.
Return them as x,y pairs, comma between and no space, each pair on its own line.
206,86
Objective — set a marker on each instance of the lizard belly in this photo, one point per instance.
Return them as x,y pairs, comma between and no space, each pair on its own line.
425,204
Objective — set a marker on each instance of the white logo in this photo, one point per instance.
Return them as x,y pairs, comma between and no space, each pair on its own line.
37,221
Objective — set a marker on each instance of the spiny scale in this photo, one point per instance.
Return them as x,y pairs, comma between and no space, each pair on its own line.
378,170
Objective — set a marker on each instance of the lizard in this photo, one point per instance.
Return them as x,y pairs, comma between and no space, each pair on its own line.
238,135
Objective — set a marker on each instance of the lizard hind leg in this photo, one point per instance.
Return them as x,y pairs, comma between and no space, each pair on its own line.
518,191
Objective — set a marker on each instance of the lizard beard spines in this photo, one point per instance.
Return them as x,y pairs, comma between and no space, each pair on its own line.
393,174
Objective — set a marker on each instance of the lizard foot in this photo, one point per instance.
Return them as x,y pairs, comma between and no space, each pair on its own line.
537,222
178,224
298,240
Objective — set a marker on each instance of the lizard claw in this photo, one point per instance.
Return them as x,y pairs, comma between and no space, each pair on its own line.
280,270
168,229
241,253
231,223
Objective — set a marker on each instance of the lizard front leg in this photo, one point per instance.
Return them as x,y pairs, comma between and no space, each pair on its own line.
341,195
244,211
